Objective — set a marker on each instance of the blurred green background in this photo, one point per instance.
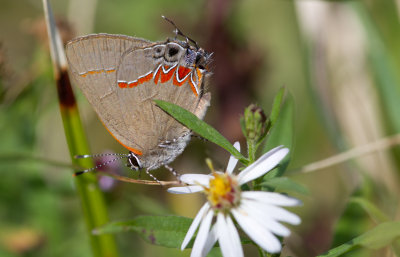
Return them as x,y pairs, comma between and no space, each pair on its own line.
340,60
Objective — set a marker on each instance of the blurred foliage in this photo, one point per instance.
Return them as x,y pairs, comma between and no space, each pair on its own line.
259,46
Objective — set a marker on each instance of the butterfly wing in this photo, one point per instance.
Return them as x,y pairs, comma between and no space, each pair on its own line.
93,62
149,73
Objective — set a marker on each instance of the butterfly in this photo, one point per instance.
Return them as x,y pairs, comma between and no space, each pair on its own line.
121,76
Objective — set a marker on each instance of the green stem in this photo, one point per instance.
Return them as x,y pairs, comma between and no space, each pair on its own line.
94,208
251,149
92,200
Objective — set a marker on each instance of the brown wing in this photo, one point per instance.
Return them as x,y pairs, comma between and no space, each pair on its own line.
147,74
93,61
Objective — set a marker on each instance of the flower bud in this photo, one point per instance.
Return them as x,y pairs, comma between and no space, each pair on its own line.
254,123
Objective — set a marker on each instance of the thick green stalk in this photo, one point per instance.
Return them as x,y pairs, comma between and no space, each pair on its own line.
93,204
92,200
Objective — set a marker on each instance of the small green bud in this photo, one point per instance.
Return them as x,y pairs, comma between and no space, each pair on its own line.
254,123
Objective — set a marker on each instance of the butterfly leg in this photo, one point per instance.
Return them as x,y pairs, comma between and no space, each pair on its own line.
151,175
173,171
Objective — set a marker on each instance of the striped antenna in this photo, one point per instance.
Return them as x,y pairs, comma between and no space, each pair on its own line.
99,155
121,156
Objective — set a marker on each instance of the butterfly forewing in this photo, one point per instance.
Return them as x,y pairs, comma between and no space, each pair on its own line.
93,62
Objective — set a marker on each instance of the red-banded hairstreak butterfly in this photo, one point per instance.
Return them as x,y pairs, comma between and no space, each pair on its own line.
121,75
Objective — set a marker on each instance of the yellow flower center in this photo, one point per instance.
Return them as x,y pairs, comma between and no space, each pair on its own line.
223,192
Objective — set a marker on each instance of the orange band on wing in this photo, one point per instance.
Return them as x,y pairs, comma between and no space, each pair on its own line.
122,84
167,76
141,80
91,72
133,84
146,78
164,74
183,71
193,87
157,75
135,151
176,83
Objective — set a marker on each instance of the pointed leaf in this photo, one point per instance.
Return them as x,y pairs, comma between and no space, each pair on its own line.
282,134
200,127
168,231
276,106
378,237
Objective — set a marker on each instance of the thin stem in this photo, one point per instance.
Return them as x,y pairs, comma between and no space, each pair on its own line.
139,181
251,151
355,152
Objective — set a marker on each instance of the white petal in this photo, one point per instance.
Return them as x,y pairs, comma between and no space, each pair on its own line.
276,212
271,198
232,160
194,225
196,179
264,164
185,190
228,238
265,239
211,239
202,235
251,209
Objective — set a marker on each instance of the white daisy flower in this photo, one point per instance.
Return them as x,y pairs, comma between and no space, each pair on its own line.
258,213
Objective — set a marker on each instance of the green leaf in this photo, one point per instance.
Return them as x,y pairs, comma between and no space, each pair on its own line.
281,134
276,106
373,211
200,127
284,184
168,231
378,237
354,217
